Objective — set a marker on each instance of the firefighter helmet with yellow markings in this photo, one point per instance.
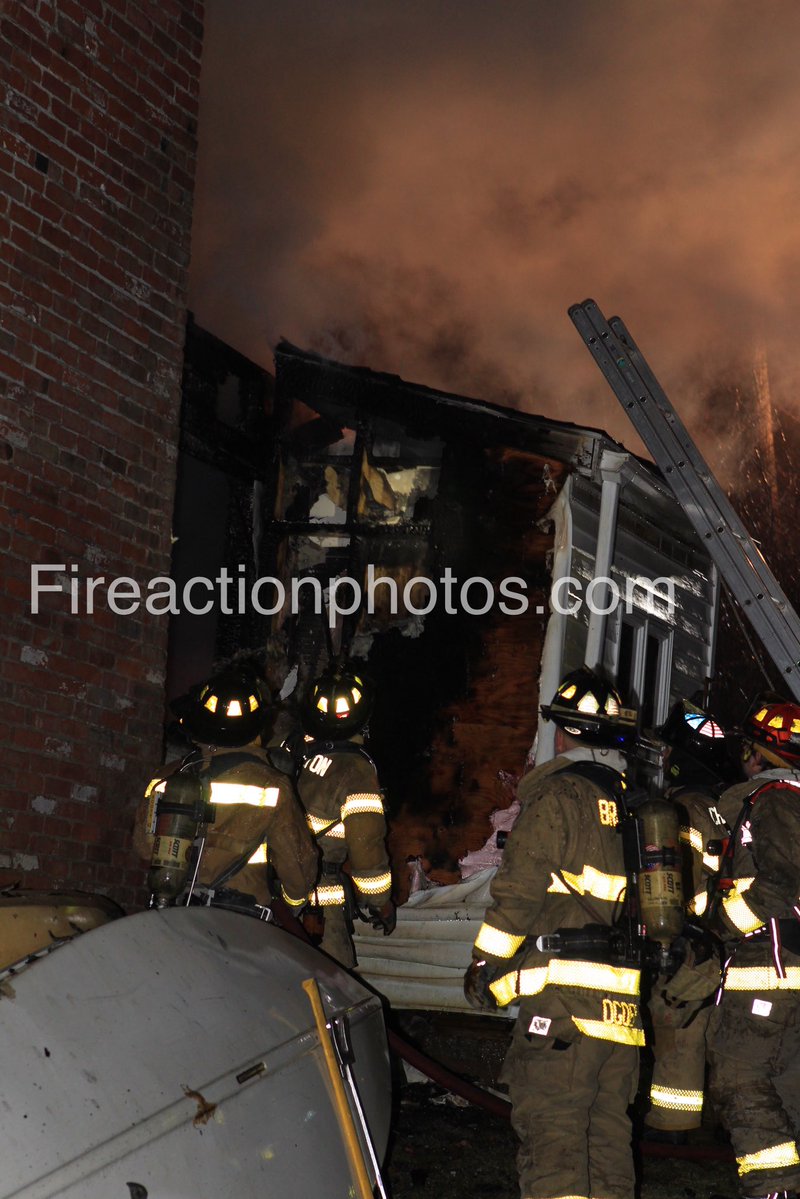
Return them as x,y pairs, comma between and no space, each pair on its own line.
773,727
339,704
229,709
587,707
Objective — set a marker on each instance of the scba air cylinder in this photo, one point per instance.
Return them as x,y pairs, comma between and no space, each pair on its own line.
175,830
660,882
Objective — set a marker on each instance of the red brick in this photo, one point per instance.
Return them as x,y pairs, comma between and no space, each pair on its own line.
87,348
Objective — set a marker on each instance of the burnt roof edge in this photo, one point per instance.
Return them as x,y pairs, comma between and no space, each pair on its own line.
310,378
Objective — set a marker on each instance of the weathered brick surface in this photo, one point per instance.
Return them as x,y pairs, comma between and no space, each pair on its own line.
98,115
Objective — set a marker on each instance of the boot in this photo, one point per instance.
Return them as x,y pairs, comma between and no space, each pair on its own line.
665,1136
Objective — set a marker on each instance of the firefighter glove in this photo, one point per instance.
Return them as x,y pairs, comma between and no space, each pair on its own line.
476,986
702,941
385,918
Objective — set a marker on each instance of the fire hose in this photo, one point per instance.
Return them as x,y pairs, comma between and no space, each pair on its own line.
480,1097
501,1107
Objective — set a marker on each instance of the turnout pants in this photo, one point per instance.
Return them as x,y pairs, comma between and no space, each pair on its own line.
336,938
754,1059
569,1110
679,1066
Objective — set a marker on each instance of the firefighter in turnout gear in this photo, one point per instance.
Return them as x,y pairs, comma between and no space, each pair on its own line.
550,941
754,1035
338,785
255,827
698,768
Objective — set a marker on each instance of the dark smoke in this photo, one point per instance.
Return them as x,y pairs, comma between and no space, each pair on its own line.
424,187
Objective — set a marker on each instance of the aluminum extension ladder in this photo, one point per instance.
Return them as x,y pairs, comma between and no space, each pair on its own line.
737,558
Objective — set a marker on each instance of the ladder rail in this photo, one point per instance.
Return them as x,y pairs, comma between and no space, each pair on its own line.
658,425
720,501
706,504
739,561
717,520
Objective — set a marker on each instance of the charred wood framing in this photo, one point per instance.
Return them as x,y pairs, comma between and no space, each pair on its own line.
328,469
456,709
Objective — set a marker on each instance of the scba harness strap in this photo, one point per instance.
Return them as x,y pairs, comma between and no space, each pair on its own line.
782,933
625,942
605,777
310,749
725,878
206,771
610,781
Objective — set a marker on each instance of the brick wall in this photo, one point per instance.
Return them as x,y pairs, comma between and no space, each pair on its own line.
99,107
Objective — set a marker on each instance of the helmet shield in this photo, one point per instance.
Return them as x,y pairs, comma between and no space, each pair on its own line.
698,746
588,708
774,728
230,709
339,704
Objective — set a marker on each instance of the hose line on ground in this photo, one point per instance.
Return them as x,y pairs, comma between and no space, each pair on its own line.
476,1095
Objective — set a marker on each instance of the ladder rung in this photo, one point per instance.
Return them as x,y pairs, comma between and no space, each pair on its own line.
715,521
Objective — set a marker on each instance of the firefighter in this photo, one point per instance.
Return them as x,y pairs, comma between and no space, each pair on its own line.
257,829
338,785
698,768
549,940
754,1034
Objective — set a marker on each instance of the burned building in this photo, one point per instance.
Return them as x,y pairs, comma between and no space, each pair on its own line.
449,546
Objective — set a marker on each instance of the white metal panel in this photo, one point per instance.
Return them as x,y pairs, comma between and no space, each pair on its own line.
654,539
126,1055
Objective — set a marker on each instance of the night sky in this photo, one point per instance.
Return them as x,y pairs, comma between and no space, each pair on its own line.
425,188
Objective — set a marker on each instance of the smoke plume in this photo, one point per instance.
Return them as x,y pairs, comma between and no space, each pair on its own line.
425,187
